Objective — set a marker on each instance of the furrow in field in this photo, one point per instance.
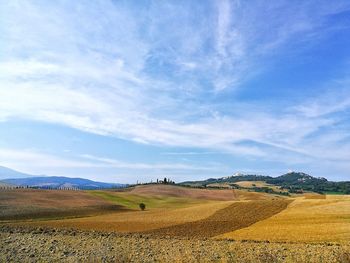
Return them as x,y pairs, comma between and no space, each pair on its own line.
236,216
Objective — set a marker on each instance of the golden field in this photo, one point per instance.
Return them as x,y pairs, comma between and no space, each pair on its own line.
179,224
305,220
138,221
179,211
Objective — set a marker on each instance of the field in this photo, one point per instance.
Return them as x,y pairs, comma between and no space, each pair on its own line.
252,184
20,204
305,220
179,223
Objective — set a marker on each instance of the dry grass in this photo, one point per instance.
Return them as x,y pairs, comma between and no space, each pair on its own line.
245,195
237,215
220,185
19,204
131,200
138,221
305,220
184,192
251,184
48,198
314,196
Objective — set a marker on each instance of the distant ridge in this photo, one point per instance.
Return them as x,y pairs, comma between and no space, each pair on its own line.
60,182
292,181
14,178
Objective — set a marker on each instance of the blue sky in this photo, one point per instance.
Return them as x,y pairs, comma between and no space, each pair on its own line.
121,91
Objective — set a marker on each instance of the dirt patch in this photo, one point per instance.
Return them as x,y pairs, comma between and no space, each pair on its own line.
45,245
233,217
178,191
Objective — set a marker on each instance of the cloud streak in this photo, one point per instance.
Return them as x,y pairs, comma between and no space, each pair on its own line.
153,74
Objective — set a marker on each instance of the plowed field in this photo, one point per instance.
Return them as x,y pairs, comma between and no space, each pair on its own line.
235,216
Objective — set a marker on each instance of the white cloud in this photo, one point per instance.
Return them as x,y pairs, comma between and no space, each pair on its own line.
98,168
29,160
138,75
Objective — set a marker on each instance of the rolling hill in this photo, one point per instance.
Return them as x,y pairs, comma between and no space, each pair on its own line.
294,182
56,182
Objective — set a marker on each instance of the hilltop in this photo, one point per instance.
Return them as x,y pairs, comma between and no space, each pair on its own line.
293,182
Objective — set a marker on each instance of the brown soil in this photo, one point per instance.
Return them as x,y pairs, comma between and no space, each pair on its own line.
19,204
52,245
236,216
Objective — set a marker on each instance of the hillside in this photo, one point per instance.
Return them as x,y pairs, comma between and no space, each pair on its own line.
21,204
294,182
177,191
56,182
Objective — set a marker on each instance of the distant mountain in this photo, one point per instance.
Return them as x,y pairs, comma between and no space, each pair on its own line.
7,173
293,182
57,182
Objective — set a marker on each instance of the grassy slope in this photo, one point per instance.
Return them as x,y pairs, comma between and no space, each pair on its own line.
139,221
132,201
24,204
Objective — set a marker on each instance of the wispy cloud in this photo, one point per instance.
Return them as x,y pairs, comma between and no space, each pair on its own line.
153,74
86,165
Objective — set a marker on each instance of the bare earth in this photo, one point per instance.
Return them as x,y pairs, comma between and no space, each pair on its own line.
52,245
23,204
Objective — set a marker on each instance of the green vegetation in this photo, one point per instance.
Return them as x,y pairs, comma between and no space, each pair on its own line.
142,206
132,201
292,182
266,190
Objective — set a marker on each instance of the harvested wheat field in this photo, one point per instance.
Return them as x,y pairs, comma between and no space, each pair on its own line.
185,192
19,204
305,220
138,221
169,196
232,217
250,184
175,228
131,200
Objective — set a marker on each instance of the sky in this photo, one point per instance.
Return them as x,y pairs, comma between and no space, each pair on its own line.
126,91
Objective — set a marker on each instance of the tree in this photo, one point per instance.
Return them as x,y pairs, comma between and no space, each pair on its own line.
165,181
142,206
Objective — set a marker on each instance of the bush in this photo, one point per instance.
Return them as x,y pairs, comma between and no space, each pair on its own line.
142,206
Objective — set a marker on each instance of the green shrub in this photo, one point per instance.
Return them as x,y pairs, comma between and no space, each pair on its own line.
142,206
